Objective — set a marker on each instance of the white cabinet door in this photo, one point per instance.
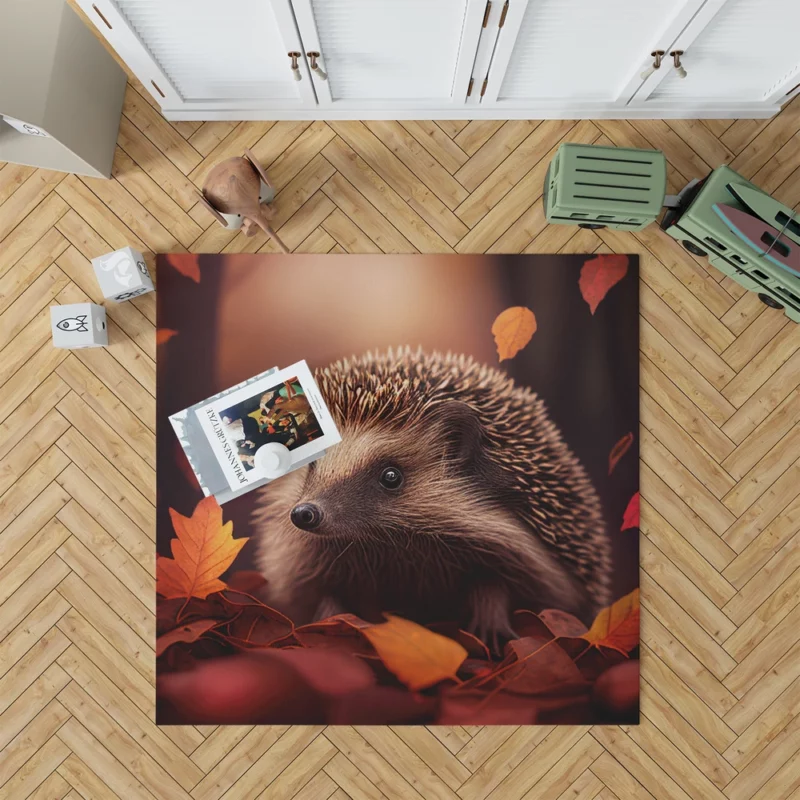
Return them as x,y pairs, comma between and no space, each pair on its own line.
579,53
734,51
208,54
391,54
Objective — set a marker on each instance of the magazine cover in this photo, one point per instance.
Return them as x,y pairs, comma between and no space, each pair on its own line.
226,434
465,551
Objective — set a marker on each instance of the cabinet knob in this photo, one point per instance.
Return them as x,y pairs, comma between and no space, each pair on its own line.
312,57
294,55
657,56
676,60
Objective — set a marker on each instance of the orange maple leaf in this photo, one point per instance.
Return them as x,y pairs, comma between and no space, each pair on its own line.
415,655
618,625
203,550
512,330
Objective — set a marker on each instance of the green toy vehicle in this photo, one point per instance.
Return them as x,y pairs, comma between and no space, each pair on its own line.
745,234
702,231
605,187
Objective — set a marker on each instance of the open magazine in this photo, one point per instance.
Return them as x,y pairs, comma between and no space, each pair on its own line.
223,434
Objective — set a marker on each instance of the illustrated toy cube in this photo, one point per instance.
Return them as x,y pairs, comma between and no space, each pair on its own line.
122,274
78,325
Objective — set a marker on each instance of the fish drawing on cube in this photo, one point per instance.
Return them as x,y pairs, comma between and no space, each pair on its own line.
122,274
78,325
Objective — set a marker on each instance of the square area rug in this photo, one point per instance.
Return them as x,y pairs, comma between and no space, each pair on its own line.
472,555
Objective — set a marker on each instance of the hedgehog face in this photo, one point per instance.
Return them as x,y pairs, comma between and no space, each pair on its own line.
385,483
373,485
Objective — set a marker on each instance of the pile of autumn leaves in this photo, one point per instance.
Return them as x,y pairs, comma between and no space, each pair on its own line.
346,670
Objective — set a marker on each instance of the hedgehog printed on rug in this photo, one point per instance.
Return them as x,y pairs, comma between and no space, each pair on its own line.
467,554
452,493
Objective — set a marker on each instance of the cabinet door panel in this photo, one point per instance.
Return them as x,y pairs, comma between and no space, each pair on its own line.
746,52
412,52
580,51
204,52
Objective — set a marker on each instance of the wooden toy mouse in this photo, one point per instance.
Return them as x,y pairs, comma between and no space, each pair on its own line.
233,187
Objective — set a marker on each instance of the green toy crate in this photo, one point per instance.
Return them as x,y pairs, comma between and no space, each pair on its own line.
702,232
598,187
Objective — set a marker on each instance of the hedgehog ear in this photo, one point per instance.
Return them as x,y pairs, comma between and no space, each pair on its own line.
458,425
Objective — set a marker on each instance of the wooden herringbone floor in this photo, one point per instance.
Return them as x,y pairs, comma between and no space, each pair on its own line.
720,406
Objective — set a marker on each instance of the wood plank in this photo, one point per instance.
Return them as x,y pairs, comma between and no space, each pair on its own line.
397,175
388,202
419,161
159,131
437,143
26,198
154,199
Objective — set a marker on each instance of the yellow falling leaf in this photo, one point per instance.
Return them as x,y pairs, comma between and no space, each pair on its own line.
512,330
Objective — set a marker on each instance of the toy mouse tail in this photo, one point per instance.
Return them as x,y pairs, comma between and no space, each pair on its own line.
267,228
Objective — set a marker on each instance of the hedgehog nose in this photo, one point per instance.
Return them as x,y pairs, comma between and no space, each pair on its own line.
306,516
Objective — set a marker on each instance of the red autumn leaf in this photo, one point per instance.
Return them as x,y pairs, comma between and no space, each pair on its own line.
203,550
630,519
536,667
593,661
562,623
471,643
188,264
190,632
163,335
471,708
619,450
176,611
599,274
537,678
382,705
512,330
616,691
419,658
263,687
182,656
342,633
617,626
476,668
528,623
547,624
256,626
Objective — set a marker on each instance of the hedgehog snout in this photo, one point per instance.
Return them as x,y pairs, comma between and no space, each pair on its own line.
306,516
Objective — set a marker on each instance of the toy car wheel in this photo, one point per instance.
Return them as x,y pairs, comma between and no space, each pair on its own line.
769,301
592,226
693,248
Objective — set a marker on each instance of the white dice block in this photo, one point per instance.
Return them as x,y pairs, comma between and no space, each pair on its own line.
78,325
122,274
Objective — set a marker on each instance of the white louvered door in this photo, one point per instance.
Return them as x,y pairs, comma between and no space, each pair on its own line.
447,59
740,50
566,52
391,53
208,53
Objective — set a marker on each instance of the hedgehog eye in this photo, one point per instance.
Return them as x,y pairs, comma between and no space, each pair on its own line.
391,478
